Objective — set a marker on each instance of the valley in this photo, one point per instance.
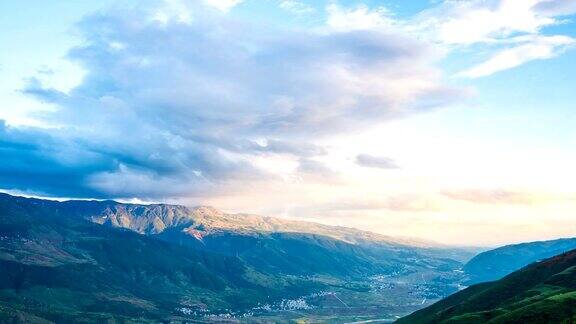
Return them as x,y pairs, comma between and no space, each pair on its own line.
86,261
90,259
343,301
543,292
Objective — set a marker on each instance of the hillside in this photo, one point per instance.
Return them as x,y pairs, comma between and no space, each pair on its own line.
155,218
271,244
73,260
497,263
62,268
544,292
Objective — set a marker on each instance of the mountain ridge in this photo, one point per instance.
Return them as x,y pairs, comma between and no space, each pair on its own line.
63,268
496,263
543,292
160,216
270,264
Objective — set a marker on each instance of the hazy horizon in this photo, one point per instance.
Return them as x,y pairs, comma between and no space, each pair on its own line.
450,121
481,246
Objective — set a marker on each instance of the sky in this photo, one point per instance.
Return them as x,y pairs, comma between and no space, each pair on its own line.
447,120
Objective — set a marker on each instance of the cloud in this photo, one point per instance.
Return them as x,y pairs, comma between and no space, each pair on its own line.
296,7
370,161
35,89
510,31
36,161
63,163
398,203
224,5
315,171
350,206
283,147
511,197
180,101
496,196
481,21
556,7
537,48
360,17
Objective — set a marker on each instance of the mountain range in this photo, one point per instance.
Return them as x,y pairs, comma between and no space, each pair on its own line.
99,260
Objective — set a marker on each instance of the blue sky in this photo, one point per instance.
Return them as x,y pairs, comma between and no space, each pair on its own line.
449,120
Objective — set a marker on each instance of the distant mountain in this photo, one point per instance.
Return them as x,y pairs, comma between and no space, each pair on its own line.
271,244
495,264
96,260
544,292
204,220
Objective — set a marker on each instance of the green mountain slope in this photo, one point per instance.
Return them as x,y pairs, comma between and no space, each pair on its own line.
270,244
65,269
543,292
495,264
95,260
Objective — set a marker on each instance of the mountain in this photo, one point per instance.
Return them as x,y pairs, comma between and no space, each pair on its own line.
96,260
543,292
495,264
155,218
271,244
59,268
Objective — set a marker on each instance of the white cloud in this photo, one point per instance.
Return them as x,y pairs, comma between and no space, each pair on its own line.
457,25
556,7
494,25
296,7
223,5
537,48
172,10
481,21
218,95
358,18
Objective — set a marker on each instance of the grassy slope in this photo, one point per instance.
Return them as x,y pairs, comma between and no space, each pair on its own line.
271,245
544,292
60,268
74,268
497,263
310,254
